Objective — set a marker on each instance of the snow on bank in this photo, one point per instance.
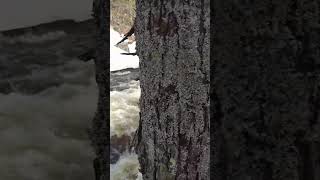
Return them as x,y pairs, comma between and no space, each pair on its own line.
117,60
124,110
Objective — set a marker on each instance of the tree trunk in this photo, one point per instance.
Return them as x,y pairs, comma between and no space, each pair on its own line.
100,130
173,44
266,90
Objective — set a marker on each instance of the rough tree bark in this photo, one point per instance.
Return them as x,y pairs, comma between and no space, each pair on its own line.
100,130
173,44
266,90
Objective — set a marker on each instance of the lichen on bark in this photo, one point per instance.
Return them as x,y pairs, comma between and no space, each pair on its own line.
173,46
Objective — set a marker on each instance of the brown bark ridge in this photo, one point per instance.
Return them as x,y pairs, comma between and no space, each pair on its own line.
100,130
173,41
266,90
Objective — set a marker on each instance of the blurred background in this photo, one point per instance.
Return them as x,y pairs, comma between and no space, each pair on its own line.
48,95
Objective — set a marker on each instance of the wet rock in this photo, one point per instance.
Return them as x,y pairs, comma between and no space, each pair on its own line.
121,144
114,155
119,79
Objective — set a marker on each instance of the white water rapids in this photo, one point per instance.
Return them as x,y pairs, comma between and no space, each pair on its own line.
43,136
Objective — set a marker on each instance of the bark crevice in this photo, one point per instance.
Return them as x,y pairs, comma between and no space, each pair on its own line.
174,56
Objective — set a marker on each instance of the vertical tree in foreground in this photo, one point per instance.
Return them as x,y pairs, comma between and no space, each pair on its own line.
100,131
266,97
173,41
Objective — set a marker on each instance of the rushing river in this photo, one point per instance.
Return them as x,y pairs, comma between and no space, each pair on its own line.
47,101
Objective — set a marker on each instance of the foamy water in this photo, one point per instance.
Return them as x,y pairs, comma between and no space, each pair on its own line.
31,38
127,168
124,117
124,110
44,136
124,114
